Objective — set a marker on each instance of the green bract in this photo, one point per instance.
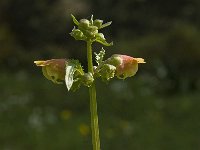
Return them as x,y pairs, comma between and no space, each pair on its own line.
74,20
71,68
98,23
87,79
75,76
99,57
106,72
78,34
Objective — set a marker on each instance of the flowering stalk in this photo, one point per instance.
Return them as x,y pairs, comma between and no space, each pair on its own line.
72,73
93,102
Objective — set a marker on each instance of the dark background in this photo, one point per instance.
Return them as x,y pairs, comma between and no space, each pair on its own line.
158,109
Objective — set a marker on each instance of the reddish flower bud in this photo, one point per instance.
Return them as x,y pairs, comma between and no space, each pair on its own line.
53,69
126,66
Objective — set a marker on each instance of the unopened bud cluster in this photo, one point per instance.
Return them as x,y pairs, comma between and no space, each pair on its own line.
88,30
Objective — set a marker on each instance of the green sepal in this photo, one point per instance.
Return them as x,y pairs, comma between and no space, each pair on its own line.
73,70
84,24
98,23
87,79
103,42
107,72
91,20
114,60
101,39
78,34
74,20
88,31
76,84
105,24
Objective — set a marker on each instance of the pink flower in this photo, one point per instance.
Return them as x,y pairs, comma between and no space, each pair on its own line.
126,66
53,69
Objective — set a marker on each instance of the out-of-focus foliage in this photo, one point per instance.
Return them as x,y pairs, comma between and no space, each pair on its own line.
158,109
35,28
39,116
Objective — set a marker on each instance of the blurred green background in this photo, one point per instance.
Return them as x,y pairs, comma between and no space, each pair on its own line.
158,109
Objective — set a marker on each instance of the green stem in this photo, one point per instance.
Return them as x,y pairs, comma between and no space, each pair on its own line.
93,102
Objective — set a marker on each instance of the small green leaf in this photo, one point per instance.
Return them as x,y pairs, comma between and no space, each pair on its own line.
78,34
101,39
87,79
91,20
70,69
104,42
99,57
74,20
73,69
98,23
107,72
76,84
106,24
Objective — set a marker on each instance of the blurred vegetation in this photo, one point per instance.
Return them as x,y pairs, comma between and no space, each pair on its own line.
158,109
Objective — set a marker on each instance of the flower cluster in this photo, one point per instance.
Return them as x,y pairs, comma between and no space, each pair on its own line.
121,66
71,71
89,30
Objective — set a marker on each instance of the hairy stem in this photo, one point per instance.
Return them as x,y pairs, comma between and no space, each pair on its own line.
93,102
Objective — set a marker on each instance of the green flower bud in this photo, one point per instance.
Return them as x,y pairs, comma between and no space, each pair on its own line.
100,36
114,60
53,69
84,23
78,34
90,32
107,72
87,79
93,29
98,23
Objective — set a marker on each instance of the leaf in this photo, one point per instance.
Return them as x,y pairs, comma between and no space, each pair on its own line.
73,69
101,39
91,20
74,20
106,24
104,42
99,57
87,79
70,69
76,84
107,72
